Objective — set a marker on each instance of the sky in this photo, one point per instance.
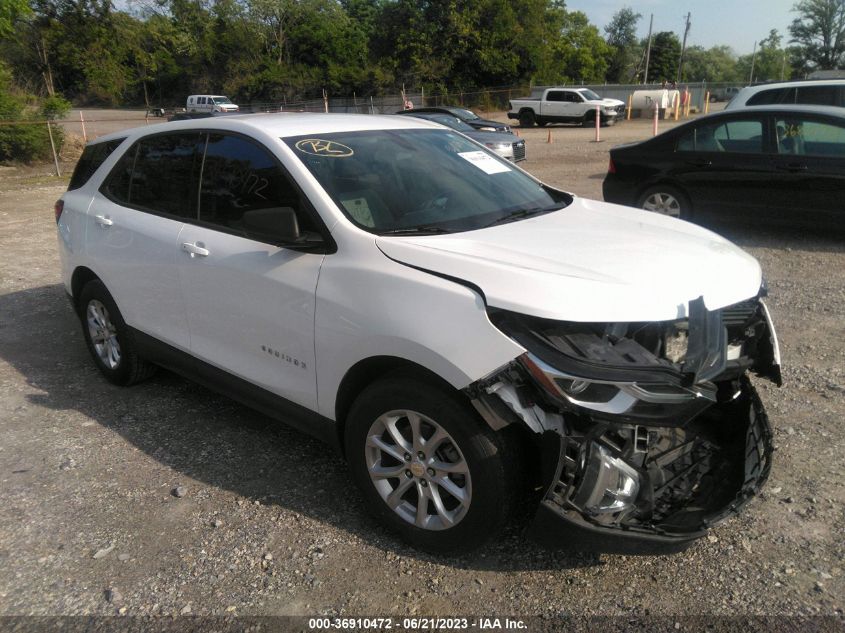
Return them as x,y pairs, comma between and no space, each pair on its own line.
737,23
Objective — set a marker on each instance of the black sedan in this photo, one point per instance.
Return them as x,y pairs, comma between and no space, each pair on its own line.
467,116
777,164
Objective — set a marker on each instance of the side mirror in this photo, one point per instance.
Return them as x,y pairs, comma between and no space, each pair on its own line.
276,223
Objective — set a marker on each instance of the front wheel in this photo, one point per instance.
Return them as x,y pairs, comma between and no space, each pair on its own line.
666,200
427,466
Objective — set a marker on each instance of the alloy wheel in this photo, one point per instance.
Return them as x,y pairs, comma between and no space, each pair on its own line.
103,334
418,470
663,203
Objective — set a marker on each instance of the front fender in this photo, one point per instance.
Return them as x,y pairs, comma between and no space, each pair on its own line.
384,308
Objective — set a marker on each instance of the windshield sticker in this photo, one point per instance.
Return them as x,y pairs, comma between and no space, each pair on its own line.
484,162
319,147
359,210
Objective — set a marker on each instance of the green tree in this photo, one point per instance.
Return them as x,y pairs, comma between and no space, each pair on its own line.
10,12
819,32
621,36
713,65
771,62
26,140
665,55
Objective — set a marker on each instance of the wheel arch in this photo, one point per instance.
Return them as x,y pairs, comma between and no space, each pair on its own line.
80,277
367,371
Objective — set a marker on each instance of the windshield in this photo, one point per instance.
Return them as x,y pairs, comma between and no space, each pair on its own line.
450,121
467,115
221,100
589,95
420,180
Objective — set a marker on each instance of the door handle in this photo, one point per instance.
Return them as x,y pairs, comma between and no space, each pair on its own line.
793,167
103,220
195,249
700,162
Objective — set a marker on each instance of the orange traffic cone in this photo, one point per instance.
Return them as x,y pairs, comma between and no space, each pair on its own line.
549,137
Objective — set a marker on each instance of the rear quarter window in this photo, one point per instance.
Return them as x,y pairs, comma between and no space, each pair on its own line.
768,97
158,174
92,157
817,95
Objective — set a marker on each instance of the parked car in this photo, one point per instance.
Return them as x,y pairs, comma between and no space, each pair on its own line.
723,94
467,116
463,333
829,92
508,146
565,105
765,165
188,116
210,103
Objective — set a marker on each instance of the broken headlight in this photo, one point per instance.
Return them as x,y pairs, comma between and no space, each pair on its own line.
657,372
645,403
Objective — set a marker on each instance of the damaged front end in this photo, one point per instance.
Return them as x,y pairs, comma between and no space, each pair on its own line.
651,432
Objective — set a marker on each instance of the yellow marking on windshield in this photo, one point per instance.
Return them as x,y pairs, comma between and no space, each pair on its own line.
319,147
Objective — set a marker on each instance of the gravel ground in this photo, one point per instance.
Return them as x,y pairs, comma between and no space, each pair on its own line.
166,499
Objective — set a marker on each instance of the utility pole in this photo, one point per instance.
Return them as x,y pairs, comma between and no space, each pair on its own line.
783,66
753,59
683,50
648,49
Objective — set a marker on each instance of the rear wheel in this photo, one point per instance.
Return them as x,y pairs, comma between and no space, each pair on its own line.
526,118
666,200
427,466
109,340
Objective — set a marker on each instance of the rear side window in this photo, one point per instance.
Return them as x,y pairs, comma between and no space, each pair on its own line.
742,136
817,95
158,174
556,95
239,176
802,137
768,97
90,161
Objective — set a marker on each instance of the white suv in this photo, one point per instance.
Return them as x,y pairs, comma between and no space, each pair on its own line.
830,92
463,333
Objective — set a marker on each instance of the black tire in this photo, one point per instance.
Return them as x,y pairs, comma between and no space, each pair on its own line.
526,118
541,123
589,119
684,205
491,459
130,368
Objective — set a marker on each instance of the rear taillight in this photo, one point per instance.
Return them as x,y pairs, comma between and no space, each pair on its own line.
611,168
58,208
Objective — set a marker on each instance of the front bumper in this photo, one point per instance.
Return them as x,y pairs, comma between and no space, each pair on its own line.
668,485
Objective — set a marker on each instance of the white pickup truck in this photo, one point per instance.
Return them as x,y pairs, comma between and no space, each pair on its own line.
565,105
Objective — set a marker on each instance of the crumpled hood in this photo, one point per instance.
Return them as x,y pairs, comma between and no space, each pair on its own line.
589,262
